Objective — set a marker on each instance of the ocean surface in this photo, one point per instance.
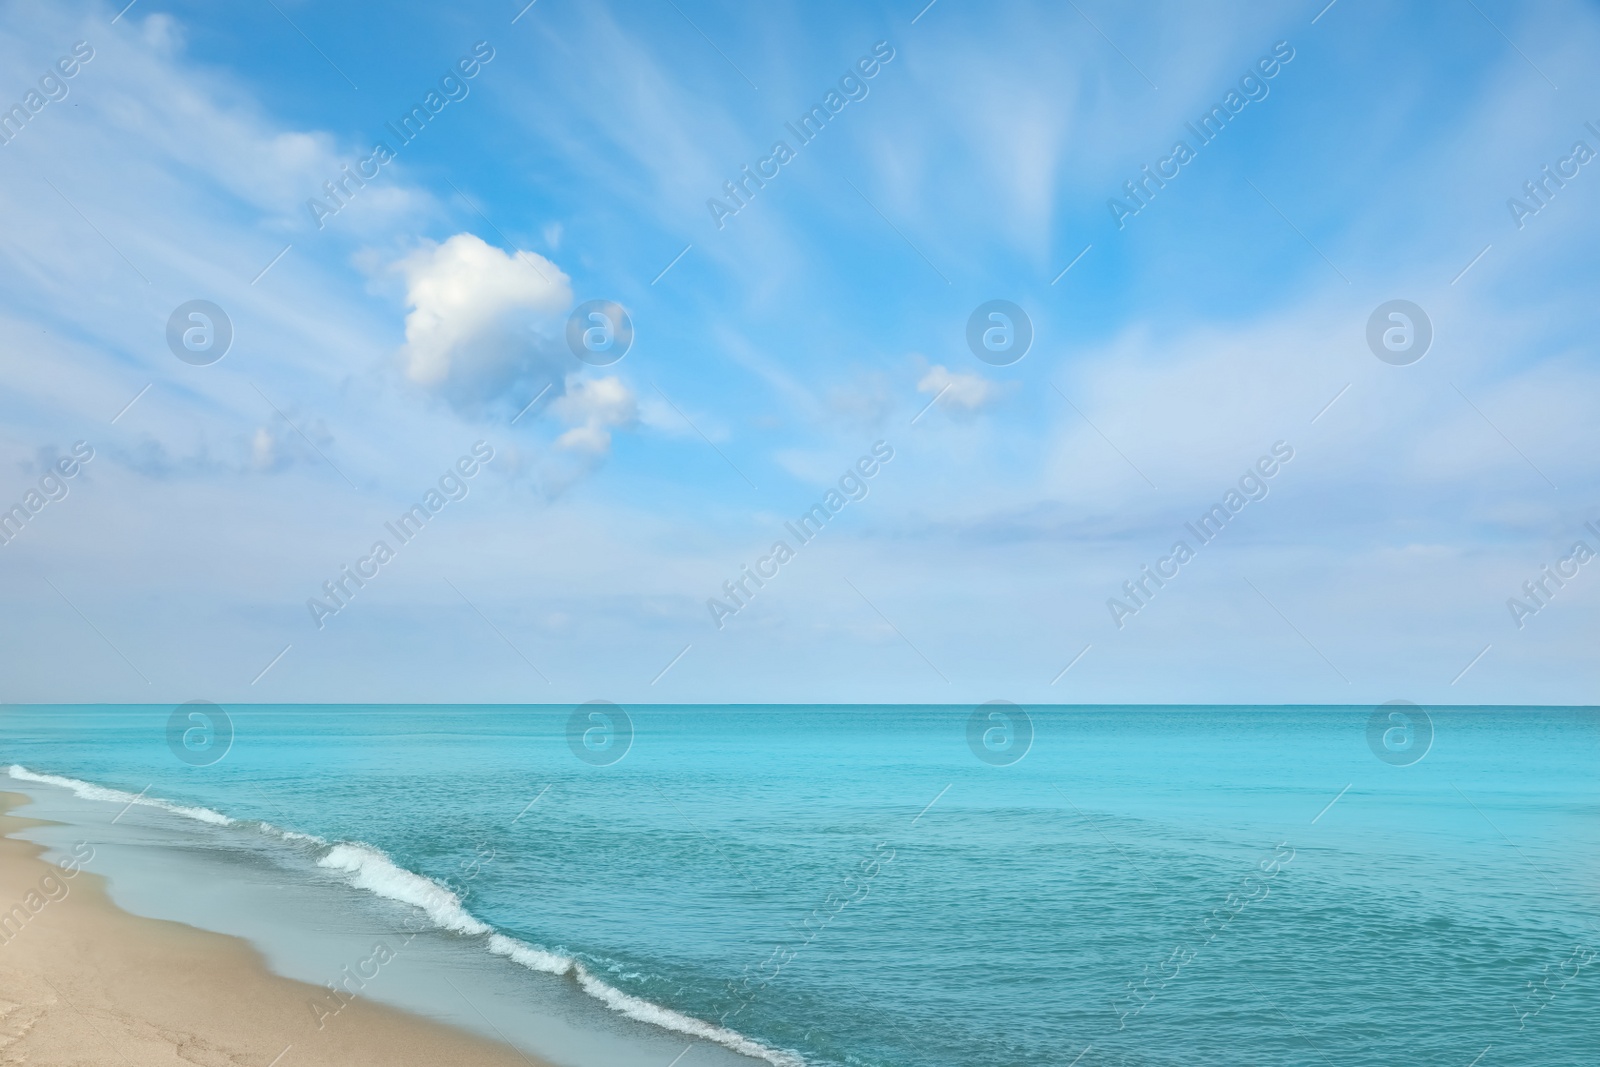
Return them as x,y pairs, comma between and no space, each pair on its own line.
929,886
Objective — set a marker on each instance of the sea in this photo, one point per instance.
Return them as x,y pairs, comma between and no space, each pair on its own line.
867,886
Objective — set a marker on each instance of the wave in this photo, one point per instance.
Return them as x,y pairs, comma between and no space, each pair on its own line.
537,959
530,956
90,791
369,868
650,1012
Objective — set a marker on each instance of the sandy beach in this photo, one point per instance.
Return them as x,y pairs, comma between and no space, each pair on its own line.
83,982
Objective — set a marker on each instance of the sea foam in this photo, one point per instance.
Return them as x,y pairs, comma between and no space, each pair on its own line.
90,791
371,869
649,1012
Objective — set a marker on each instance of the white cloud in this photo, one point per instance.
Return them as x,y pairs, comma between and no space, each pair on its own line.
959,393
593,406
482,321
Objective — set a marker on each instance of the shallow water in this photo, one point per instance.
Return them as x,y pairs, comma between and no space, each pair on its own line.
857,886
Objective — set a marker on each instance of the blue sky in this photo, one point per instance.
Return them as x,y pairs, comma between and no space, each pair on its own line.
774,351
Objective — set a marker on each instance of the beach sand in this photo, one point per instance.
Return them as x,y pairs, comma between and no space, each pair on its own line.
82,982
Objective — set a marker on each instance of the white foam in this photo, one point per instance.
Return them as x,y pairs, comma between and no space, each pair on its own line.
648,1012
370,869
530,956
89,791
636,1008
292,835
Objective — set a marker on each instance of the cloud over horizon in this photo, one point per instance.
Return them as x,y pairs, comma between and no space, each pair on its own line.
1229,313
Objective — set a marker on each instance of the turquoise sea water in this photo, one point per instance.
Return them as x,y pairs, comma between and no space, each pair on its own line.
880,886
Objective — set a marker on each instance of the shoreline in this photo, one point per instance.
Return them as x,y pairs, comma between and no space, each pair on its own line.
162,866
83,981
344,919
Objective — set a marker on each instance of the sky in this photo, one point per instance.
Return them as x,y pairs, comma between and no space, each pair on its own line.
395,310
